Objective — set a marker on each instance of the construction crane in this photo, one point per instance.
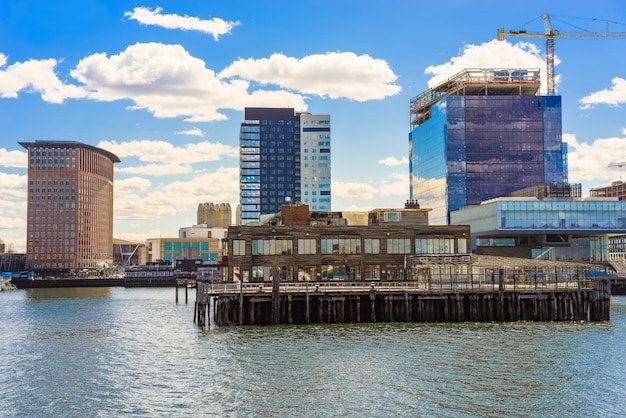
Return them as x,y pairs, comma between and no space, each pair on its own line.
549,34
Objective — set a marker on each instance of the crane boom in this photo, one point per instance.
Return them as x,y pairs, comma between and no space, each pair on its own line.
549,35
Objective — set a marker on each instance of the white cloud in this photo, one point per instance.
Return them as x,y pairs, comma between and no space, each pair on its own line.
164,169
589,162
13,186
493,54
11,223
333,75
162,152
353,190
397,185
393,161
133,202
193,132
167,81
614,96
13,159
132,185
138,237
35,76
214,27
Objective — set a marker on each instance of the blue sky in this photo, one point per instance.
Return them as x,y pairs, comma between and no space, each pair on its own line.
163,85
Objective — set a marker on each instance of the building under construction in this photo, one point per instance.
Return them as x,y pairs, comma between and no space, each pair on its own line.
481,134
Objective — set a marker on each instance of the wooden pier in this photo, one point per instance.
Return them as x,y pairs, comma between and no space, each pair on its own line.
496,297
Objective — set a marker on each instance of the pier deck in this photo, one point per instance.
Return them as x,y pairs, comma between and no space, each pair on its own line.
451,300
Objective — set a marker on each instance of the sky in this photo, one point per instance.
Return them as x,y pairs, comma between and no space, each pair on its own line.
163,86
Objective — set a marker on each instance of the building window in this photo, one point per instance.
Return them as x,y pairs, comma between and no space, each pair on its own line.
371,245
341,246
462,246
371,272
239,247
261,273
272,246
398,246
392,216
307,246
307,273
434,246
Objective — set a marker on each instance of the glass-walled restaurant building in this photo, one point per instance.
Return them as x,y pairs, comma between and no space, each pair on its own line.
560,229
335,253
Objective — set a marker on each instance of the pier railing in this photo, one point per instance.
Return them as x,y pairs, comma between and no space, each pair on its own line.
495,295
477,284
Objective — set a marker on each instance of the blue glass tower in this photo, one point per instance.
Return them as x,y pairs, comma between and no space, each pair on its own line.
480,135
284,158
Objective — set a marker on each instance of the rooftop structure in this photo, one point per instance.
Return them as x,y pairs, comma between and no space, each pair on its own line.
476,82
616,189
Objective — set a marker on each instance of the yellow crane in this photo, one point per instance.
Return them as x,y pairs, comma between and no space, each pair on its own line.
550,34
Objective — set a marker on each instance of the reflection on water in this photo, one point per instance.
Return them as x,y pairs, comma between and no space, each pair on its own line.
136,352
69,293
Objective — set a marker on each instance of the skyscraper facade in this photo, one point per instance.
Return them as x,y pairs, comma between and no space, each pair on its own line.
482,134
70,207
284,158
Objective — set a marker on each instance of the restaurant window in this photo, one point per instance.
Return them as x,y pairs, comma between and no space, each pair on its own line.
239,247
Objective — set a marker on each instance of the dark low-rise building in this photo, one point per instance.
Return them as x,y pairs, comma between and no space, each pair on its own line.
330,252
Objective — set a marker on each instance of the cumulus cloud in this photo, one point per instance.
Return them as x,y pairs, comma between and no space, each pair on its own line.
614,96
214,27
162,169
595,162
397,185
139,237
167,81
353,190
12,223
393,161
156,202
13,186
13,159
192,132
132,185
493,54
157,151
35,76
333,74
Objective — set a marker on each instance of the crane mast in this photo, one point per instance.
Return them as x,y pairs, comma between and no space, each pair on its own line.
549,35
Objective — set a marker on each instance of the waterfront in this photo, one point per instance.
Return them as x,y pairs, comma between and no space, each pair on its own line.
134,351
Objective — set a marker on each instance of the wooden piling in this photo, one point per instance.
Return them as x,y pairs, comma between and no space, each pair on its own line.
346,305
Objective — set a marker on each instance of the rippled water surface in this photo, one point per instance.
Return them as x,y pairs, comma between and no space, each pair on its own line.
135,352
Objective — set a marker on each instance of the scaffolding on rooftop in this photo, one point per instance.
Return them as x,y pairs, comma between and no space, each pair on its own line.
477,82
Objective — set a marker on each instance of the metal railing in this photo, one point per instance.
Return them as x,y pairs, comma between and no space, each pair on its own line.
477,283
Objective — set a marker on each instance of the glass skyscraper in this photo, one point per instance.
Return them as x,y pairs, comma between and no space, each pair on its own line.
284,158
480,135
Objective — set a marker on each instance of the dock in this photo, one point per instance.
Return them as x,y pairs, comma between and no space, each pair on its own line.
481,295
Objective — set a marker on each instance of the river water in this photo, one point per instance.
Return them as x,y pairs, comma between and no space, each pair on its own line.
107,352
